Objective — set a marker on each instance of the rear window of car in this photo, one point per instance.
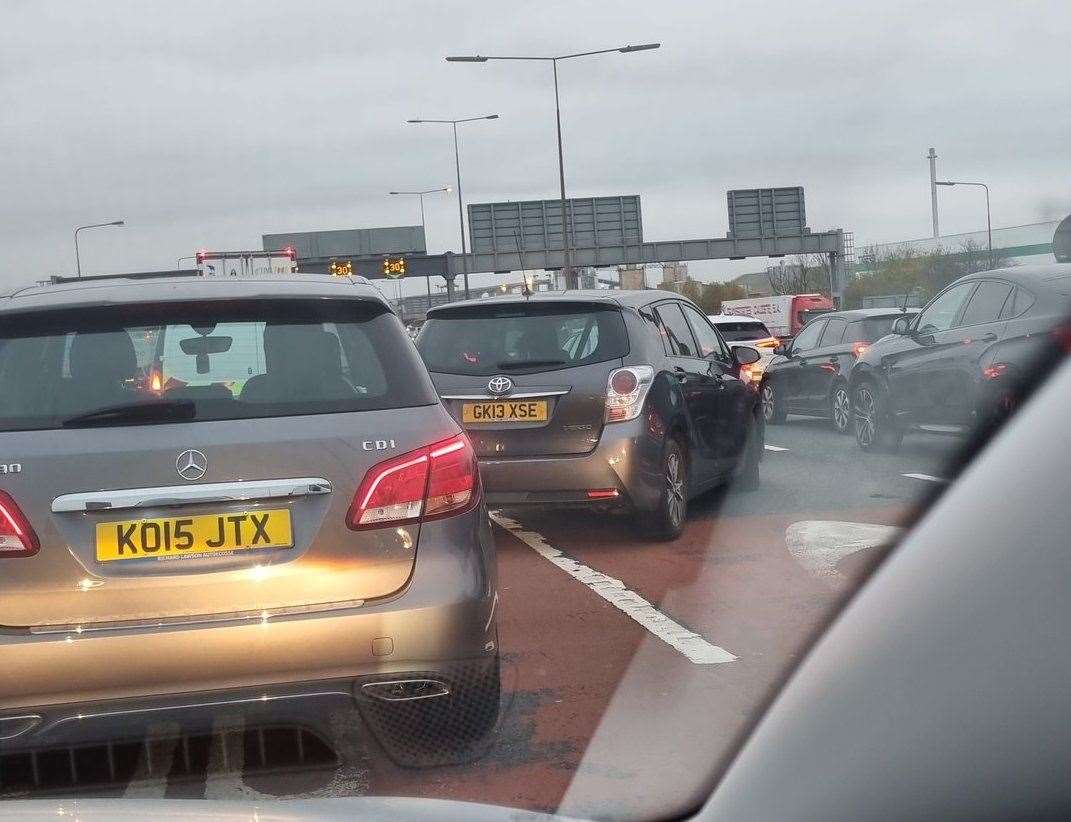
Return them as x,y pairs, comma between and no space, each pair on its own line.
737,331
219,361
870,329
485,340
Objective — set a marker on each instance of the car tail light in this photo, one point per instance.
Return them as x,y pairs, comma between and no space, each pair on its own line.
626,390
859,349
751,372
17,537
995,371
434,481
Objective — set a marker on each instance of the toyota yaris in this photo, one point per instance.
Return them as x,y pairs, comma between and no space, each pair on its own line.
226,495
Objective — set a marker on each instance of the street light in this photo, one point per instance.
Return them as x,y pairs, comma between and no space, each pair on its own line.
178,265
423,226
567,267
457,162
988,218
77,256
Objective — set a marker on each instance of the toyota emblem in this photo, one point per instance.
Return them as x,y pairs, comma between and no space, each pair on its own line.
500,385
191,464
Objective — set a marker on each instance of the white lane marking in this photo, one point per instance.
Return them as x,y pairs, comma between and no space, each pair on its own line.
818,545
774,448
926,477
689,643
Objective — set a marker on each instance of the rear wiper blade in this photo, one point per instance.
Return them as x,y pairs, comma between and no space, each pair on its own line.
135,412
527,363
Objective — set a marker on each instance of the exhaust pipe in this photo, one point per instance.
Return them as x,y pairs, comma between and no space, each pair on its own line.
406,690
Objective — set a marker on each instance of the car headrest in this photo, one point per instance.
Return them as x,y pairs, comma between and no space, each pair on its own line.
108,356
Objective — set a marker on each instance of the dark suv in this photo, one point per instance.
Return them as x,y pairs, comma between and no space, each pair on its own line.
622,399
962,361
810,374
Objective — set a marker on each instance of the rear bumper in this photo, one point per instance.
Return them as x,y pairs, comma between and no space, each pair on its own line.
80,687
627,459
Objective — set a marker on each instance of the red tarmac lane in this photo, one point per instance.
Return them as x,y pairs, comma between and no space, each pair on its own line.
729,578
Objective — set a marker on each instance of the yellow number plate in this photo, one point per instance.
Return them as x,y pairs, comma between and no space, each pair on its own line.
175,537
513,411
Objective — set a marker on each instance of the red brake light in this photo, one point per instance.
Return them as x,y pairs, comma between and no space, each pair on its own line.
859,349
995,371
17,537
430,482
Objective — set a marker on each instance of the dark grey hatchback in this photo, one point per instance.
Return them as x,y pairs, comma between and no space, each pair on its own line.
627,400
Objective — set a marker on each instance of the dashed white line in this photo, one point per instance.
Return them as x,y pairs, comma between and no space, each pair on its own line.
689,643
774,448
926,477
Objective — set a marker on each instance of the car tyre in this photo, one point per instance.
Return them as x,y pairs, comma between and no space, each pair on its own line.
747,478
840,409
773,404
666,522
874,428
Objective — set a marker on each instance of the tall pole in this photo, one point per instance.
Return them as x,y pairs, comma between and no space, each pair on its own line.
424,228
77,254
567,263
567,267
988,225
461,214
933,191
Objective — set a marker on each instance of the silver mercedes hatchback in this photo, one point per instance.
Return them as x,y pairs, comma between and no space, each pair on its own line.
238,495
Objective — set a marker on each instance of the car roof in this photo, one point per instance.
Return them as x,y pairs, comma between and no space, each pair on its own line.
734,318
865,313
624,298
1026,275
90,291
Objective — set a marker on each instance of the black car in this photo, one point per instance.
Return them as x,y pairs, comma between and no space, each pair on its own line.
961,361
621,399
810,374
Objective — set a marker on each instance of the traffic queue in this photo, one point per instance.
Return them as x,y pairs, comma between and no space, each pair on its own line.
636,402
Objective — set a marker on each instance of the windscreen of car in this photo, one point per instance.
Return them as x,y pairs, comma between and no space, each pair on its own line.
737,331
519,338
869,329
210,361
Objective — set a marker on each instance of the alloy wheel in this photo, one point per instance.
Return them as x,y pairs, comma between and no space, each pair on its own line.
865,427
675,489
769,404
842,409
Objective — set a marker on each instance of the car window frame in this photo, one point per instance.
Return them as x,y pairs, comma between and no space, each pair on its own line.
816,321
958,323
655,307
915,323
844,328
724,354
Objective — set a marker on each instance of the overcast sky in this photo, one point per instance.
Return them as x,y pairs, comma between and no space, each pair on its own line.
207,124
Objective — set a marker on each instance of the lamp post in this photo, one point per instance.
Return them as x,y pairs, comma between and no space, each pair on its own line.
178,264
77,255
423,225
457,163
988,216
567,267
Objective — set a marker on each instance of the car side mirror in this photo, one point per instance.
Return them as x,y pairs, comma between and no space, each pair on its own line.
745,355
901,326
781,349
